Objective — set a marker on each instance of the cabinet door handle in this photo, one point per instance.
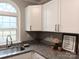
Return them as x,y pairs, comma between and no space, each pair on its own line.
58,27
30,27
55,27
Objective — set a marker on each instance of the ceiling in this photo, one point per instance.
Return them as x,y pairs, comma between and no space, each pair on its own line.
37,1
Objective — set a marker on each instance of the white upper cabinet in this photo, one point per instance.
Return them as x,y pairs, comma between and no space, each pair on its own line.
54,16
51,16
61,16
33,18
70,16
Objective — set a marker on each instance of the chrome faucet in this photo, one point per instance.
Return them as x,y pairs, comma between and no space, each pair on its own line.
7,41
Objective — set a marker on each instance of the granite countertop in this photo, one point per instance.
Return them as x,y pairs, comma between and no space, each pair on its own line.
42,49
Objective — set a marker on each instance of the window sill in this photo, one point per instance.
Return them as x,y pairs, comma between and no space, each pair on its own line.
14,42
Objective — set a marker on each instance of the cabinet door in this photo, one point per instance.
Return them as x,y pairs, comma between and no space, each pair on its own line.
37,56
33,18
27,18
70,16
50,13
22,56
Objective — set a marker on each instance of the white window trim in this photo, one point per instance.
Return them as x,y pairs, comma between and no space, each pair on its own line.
14,42
8,14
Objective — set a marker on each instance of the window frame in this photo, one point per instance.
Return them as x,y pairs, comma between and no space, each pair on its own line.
4,13
8,14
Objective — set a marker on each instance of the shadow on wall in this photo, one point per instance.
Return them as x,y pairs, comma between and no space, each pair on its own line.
48,37
78,44
45,37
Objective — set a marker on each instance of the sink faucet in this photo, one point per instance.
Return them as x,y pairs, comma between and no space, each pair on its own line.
7,41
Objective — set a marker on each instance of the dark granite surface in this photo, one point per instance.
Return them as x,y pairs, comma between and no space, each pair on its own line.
44,50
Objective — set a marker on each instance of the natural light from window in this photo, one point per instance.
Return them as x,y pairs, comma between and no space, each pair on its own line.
8,22
7,7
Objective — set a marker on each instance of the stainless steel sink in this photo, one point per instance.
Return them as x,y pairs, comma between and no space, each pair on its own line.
9,50
12,49
16,52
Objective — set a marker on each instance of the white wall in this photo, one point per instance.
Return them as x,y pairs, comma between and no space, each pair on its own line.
21,4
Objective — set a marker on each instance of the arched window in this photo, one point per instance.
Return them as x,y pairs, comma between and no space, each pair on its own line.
8,22
7,7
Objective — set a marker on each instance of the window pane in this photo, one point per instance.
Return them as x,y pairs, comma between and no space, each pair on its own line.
0,19
7,27
13,19
7,7
12,25
0,33
4,33
4,39
8,22
13,32
6,19
13,37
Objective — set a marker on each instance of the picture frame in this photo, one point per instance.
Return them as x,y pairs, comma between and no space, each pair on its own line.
70,43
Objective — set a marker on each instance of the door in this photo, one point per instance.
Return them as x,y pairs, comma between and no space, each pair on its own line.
33,18
36,18
70,16
50,18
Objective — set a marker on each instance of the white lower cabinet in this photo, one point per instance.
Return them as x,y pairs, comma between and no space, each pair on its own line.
37,56
31,55
22,56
